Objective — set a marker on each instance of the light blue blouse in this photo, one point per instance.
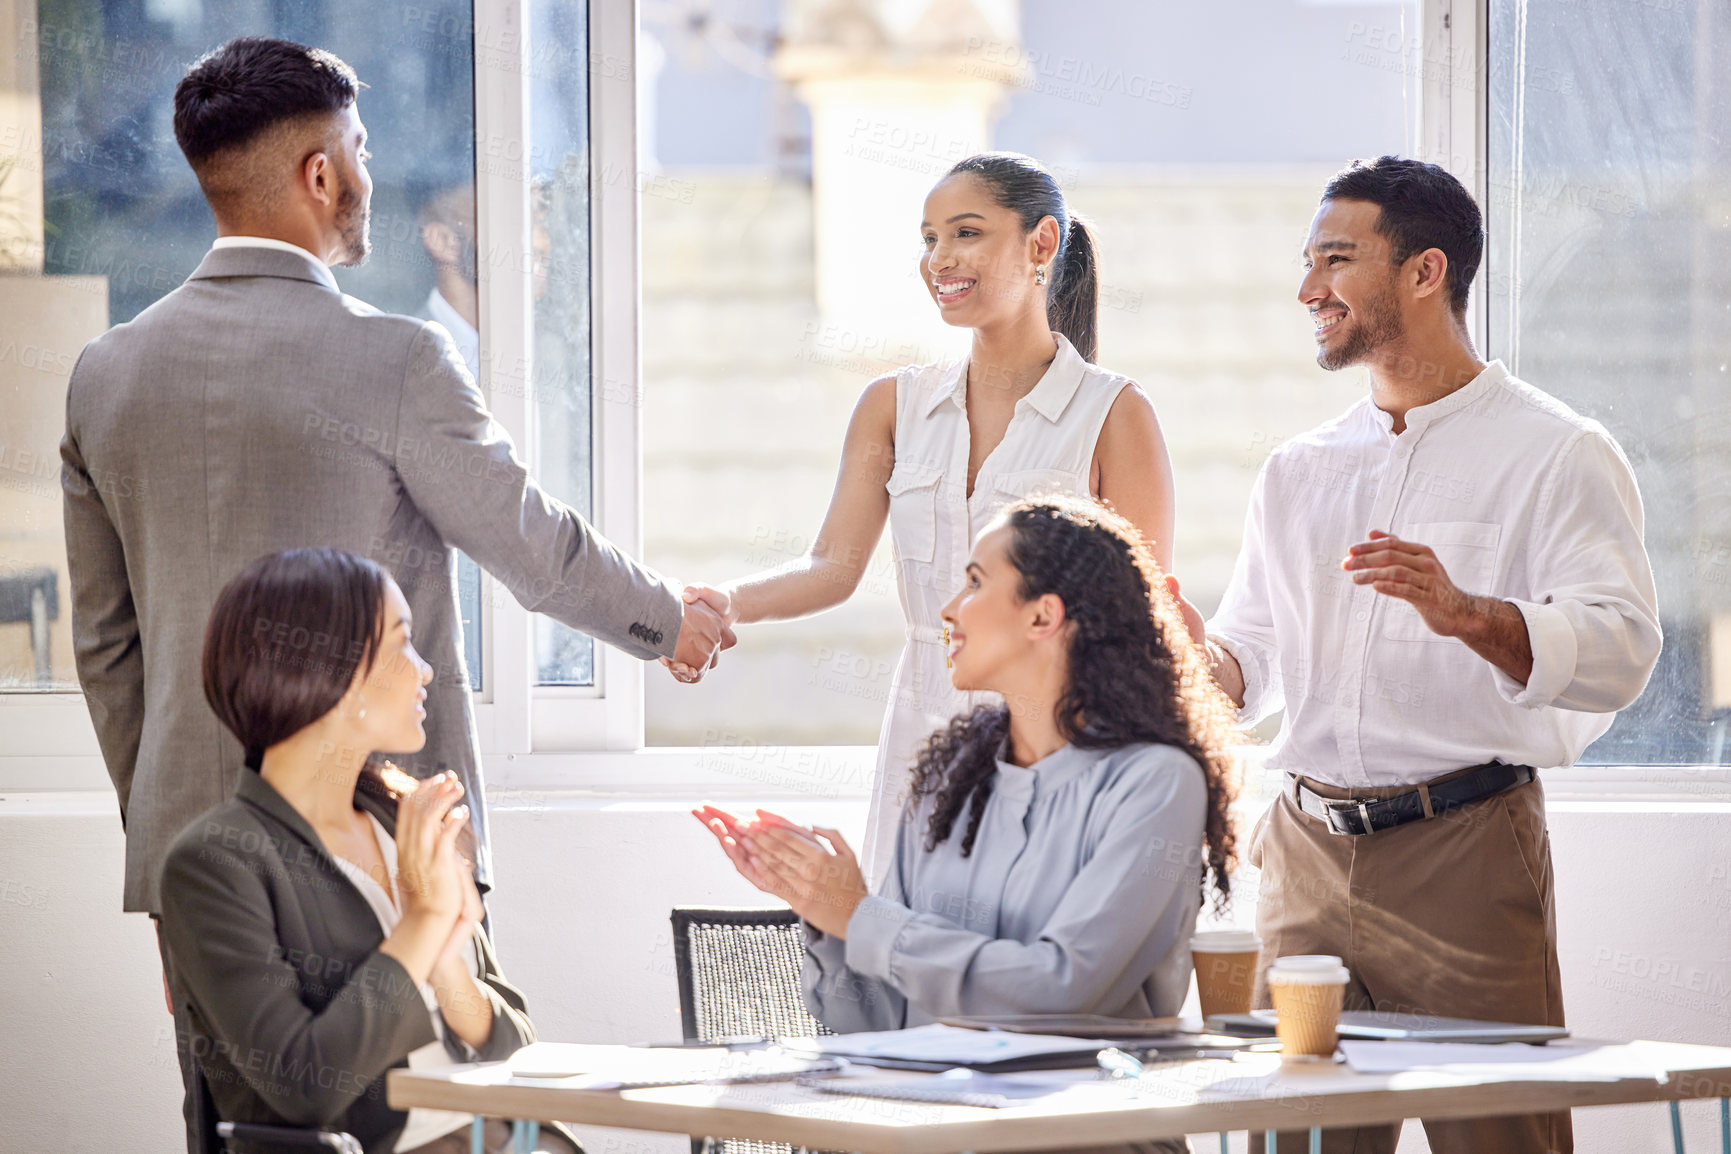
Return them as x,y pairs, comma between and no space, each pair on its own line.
1080,896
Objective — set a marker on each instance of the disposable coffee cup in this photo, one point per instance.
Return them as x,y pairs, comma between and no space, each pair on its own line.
1307,990
1225,963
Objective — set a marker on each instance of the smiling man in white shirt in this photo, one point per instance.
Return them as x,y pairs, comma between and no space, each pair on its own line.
1445,588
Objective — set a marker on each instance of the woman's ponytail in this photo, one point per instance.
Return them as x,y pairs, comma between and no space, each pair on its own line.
1073,302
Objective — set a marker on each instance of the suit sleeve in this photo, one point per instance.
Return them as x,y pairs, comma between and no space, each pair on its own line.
459,467
105,638
309,1067
511,1027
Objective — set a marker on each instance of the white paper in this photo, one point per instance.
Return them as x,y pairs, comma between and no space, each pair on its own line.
949,1044
1503,1062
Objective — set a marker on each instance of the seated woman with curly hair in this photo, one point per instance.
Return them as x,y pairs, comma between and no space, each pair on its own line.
1054,850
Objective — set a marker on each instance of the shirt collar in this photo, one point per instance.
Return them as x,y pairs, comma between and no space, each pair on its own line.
1049,397
1055,768
272,259
263,242
1494,375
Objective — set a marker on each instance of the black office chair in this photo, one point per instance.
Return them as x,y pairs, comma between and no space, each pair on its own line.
214,1135
738,974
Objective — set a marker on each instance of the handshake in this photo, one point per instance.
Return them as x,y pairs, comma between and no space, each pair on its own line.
705,629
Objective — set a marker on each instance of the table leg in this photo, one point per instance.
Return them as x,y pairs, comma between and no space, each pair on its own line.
1270,1142
1725,1126
1224,1149
477,1135
1676,1128
1316,1140
39,637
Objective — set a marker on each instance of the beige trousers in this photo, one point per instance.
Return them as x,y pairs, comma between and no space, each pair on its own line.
1454,916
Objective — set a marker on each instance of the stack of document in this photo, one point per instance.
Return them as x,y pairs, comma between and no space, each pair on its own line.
940,1047
582,1068
1506,1062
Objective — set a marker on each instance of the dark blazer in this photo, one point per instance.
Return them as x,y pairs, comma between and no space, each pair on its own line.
279,987
256,408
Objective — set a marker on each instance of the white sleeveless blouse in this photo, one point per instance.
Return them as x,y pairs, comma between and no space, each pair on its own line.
1047,448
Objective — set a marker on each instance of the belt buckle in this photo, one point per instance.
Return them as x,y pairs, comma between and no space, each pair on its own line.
1360,805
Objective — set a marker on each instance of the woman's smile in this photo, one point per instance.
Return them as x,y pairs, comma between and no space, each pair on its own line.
951,289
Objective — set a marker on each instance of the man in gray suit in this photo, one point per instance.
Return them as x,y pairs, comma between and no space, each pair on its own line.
257,408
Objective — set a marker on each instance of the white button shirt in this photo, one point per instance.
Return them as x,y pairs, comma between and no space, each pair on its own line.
1521,499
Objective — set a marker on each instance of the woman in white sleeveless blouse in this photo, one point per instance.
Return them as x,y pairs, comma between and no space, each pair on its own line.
939,449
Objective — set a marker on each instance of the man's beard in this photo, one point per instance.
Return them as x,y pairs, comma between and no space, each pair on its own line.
353,219
1379,326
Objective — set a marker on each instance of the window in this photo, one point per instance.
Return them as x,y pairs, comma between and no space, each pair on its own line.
1606,285
100,216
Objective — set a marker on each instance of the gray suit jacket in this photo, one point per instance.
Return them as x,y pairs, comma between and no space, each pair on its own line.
279,986
256,408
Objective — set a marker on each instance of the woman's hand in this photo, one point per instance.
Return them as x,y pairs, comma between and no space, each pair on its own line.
729,831
814,870
719,602
453,959
462,1003
429,882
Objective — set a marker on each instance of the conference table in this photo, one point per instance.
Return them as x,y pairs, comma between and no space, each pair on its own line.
1252,1092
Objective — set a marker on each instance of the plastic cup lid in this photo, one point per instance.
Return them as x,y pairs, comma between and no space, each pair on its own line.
1225,941
1316,969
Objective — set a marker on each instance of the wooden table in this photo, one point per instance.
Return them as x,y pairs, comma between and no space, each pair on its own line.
1255,1092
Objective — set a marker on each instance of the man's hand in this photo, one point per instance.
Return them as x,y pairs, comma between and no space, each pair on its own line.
1193,622
1494,629
1411,572
705,629
1222,666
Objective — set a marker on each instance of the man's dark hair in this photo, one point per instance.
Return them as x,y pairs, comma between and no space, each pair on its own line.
1423,207
233,94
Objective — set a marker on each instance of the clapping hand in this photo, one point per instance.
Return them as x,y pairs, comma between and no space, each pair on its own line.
704,631
813,870
429,882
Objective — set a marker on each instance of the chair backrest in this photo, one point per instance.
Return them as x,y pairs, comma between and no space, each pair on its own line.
738,974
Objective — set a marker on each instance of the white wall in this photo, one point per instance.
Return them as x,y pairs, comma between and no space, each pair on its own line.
586,881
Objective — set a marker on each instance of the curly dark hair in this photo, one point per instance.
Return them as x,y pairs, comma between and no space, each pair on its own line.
1135,676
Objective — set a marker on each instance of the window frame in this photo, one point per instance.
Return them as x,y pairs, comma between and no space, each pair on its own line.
513,715
1452,113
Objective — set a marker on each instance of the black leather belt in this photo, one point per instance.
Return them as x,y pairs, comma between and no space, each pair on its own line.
1354,815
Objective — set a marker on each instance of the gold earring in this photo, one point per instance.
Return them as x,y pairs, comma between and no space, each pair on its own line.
1039,274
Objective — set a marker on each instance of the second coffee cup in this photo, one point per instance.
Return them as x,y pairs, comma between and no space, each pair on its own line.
1225,970
1307,990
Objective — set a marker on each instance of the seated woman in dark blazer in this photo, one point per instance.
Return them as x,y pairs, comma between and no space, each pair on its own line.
323,925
